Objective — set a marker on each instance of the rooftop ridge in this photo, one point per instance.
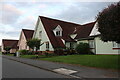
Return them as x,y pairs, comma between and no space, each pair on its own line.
60,20
28,29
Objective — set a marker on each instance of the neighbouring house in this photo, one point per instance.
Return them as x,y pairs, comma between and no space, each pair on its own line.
24,37
58,34
9,43
97,46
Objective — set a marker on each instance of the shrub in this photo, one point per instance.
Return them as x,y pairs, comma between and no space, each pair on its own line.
83,48
30,52
47,54
59,51
69,51
23,51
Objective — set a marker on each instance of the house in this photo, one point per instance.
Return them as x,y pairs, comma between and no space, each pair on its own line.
97,46
58,34
61,34
24,37
54,33
9,43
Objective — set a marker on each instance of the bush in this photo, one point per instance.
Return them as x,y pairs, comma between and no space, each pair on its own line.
83,48
59,51
47,54
69,51
23,51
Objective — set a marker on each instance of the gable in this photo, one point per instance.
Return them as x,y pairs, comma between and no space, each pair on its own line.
95,30
58,28
22,38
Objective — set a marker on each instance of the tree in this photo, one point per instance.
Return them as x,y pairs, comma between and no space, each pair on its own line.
109,23
7,48
34,43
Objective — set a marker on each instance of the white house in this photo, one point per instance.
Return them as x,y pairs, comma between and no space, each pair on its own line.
61,34
54,33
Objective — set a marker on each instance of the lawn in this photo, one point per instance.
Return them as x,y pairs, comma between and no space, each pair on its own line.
99,61
33,56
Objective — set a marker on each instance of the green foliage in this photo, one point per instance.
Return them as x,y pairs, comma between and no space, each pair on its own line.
7,48
109,23
34,43
23,51
83,48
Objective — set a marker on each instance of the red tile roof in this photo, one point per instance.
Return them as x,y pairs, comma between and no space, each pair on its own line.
85,30
10,43
68,28
28,33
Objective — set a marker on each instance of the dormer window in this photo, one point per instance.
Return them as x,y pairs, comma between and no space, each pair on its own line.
58,31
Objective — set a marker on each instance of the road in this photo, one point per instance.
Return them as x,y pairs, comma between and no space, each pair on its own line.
13,69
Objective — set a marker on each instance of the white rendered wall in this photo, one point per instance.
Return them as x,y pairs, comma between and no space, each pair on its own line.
44,37
104,47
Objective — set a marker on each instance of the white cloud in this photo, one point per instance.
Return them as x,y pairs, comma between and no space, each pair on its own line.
6,36
10,14
27,22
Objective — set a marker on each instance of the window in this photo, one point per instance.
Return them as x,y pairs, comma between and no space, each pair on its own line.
40,34
58,33
91,43
47,45
71,45
115,45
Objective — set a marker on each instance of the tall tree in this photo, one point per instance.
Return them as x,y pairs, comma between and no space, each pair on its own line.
109,23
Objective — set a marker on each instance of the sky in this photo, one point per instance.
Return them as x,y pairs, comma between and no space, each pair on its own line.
15,16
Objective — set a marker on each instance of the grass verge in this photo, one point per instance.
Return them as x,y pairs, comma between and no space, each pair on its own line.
99,61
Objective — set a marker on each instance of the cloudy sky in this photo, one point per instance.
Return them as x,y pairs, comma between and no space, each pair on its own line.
15,16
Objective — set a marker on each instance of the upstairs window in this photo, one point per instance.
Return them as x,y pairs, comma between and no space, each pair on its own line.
47,46
58,31
40,34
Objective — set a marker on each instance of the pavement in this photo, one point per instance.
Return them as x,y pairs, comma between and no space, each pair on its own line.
67,69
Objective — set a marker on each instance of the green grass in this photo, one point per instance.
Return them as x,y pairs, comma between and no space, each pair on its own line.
99,61
32,56
10,54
